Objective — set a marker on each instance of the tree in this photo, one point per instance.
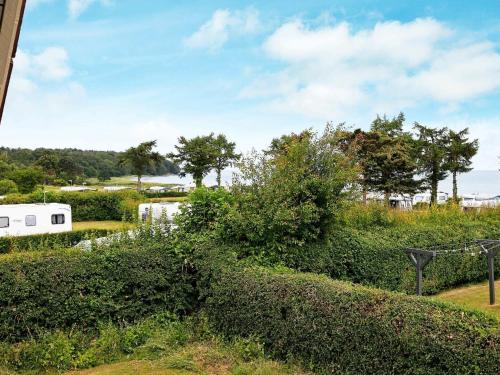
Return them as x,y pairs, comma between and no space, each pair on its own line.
140,158
432,148
49,162
459,154
225,155
386,157
7,187
289,196
26,178
196,156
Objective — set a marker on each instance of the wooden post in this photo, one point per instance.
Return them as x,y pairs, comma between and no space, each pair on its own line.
491,275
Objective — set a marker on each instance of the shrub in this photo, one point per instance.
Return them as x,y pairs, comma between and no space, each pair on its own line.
40,291
337,327
368,246
7,187
165,194
87,206
48,241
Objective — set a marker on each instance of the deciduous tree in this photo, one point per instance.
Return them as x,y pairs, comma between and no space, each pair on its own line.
225,155
196,156
140,158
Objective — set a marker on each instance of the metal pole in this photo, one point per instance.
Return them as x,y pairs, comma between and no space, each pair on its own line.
491,275
419,274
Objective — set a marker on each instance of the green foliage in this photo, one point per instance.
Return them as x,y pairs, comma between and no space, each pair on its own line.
367,246
48,241
64,350
204,210
164,194
432,149
140,158
289,196
459,155
386,155
26,178
336,327
7,187
88,206
196,156
225,155
65,289
89,163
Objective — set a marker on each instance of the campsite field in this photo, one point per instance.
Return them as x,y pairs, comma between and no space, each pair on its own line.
473,296
107,225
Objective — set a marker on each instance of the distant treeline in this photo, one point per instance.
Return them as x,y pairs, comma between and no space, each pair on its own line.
87,163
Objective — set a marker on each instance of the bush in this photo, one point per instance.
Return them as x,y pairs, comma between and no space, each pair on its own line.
165,194
48,241
7,187
40,291
368,246
337,327
87,206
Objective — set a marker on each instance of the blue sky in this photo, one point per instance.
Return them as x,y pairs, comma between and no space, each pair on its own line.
108,74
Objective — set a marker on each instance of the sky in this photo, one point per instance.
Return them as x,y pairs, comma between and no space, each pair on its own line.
108,74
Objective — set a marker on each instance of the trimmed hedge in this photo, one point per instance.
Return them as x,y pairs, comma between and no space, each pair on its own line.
165,194
337,327
47,291
48,241
88,206
374,254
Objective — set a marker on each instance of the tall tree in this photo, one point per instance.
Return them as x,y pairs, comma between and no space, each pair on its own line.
225,155
195,156
386,157
140,158
432,146
459,155
49,162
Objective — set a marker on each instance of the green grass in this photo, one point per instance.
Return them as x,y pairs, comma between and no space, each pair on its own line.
109,225
475,297
209,357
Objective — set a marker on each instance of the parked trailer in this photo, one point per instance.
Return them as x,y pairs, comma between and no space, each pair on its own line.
38,218
155,211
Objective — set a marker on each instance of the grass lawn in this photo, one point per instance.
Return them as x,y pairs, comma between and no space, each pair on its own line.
110,225
474,296
195,358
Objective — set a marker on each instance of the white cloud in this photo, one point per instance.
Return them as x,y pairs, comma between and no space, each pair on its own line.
49,65
77,7
333,70
222,25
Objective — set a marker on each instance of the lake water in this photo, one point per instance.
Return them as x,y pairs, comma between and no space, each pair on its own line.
480,182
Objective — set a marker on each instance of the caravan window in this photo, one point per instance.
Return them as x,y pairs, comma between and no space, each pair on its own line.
4,222
58,219
30,220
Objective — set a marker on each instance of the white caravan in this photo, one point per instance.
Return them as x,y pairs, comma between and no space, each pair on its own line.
38,218
476,201
442,198
156,211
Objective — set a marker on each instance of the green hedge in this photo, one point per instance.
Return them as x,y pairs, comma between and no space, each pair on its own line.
48,241
375,254
46,291
337,327
87,206
165,194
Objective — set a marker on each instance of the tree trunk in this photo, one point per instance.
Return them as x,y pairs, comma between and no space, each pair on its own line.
387,195
365,197
139,183
219,177
198,182
455,188
434,189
